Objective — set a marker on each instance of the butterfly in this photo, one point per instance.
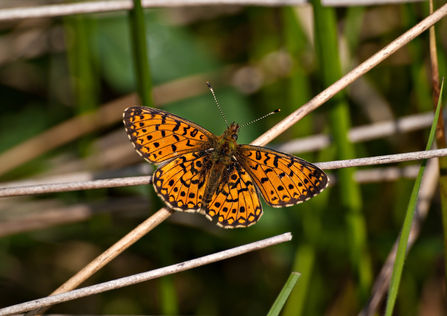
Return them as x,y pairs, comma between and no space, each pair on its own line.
214,175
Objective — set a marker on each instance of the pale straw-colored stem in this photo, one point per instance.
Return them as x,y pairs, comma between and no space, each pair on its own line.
75,186
141,277
108,255
378,160
351,77
142,180
47,11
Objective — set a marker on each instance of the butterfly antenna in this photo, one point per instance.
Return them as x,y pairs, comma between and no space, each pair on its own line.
262,117
212,91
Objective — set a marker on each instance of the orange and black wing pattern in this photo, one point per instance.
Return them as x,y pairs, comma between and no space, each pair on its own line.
159,136
236,203
182,181
282,179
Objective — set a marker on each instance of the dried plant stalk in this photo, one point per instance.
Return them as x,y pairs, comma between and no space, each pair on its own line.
141,277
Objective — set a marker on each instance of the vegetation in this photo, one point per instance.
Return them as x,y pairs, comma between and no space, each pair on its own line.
65,82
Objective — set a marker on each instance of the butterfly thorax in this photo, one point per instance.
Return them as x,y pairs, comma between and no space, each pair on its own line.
221,159
226,145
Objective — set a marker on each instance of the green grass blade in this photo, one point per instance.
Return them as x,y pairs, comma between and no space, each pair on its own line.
139,48
82,68
402,247
330,69
284,294
305,257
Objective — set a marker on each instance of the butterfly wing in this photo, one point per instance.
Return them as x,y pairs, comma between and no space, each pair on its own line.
182,181
236,202
158,135
283,180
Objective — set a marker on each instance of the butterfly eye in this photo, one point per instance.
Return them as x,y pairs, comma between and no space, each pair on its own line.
234,136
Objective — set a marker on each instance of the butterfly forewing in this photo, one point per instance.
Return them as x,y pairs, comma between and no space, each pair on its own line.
159,136
236,203
283,179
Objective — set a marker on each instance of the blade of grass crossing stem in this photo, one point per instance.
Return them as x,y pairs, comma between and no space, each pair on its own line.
139,48
327,52
402,246
284,294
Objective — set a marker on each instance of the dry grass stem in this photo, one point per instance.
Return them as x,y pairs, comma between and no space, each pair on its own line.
74,186
41,219
143,180
106,115
345,3
378,160
64,133
109,255
359,71
47,11
435,75
118,5
145,276
304,144
142,168
385,174
360,133
84,211
381,285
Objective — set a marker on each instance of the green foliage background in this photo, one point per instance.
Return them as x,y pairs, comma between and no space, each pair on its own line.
75,64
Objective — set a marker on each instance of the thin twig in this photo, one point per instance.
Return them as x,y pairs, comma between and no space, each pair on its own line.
351,76
142,168
74,186
106,115
304,144
48,11
83,211
109,254
45,218
440,135
345,3
385,174
378,160
143,180
145,276
107,6
359,134
63,133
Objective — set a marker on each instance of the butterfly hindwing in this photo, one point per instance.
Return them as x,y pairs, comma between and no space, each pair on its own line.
282,179
181,182
236,203
158,135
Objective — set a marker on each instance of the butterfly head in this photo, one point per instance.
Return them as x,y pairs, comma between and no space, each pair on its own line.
231,132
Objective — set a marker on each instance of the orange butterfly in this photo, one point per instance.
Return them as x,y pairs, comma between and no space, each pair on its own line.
215,176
